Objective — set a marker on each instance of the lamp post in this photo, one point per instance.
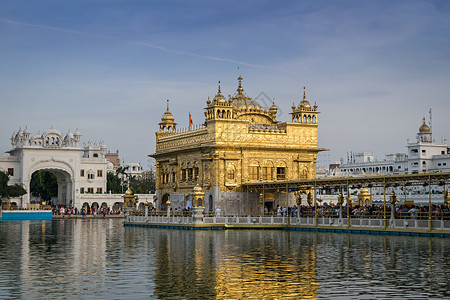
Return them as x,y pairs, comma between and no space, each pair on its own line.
146,208
168,205
340,202
446,197
393,201
261,200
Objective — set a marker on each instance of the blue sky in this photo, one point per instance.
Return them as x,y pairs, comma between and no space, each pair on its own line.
375,68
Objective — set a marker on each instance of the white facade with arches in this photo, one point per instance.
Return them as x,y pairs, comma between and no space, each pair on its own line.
80,171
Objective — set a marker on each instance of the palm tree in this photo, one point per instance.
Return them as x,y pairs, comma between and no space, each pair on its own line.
122,173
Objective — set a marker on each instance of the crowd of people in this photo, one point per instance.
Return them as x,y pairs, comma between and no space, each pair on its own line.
357,211
86,210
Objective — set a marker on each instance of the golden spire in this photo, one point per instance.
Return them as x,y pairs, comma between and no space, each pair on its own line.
167,105
304,93
240,89
219,92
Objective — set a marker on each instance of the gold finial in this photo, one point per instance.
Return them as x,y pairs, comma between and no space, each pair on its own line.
240,89
167,104
304,93
219,88
273,101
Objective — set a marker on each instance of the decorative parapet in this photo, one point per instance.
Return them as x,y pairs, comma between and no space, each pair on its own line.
10,158
178,132
182,140
264,128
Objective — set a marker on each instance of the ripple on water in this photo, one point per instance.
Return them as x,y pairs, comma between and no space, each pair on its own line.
97,259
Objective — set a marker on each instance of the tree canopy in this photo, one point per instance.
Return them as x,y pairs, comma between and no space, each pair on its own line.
141,184
8,191
44,185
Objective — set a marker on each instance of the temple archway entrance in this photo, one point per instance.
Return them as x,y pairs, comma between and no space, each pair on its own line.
51,187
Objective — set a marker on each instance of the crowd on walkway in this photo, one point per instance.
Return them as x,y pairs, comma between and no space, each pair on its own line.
357,211
86,210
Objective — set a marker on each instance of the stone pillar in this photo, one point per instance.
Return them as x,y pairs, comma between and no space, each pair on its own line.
197,215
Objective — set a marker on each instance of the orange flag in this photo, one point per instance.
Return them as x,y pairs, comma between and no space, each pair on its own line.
190,121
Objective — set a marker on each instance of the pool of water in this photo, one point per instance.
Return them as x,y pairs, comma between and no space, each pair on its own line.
97,259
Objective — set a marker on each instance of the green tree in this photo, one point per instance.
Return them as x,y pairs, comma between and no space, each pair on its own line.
121,172
113,183
143,184
8,191
44,185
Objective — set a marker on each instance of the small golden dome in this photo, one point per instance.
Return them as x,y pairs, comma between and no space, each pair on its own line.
273,109
128,192
167,116
219,98
197,189
304,104
424,127
364,191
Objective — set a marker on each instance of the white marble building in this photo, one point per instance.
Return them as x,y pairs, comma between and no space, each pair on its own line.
80,171
423,154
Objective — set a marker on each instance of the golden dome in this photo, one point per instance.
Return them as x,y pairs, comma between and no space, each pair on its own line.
197,189
243,103
219,98
424,127
128,192
364,191
273,109
304,104
167,116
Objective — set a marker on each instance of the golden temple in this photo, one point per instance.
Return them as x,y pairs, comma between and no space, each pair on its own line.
239,142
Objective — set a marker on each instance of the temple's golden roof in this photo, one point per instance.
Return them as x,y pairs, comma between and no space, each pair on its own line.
424,128
167,116
304,104
242,102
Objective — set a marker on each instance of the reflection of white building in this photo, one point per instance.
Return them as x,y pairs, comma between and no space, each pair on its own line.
78,170
424,154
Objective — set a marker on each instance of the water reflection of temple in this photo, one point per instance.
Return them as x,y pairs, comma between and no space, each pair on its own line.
233,265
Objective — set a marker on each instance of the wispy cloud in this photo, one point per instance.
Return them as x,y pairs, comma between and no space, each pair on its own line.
141,44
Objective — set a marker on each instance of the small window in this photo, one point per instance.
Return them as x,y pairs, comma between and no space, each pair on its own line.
90,190
90,174
266,173
190,174
11,171
424,151
230,174
439,164
414,151
99,190
95,155
444,164
82,173
254,172
399,167
281,173
442,152
82,190
99,173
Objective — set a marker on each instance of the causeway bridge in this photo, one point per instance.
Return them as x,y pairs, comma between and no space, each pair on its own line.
430,219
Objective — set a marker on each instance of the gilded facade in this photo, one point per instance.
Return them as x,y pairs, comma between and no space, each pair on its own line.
239,142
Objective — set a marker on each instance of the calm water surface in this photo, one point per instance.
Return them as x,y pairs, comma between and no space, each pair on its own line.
97,259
